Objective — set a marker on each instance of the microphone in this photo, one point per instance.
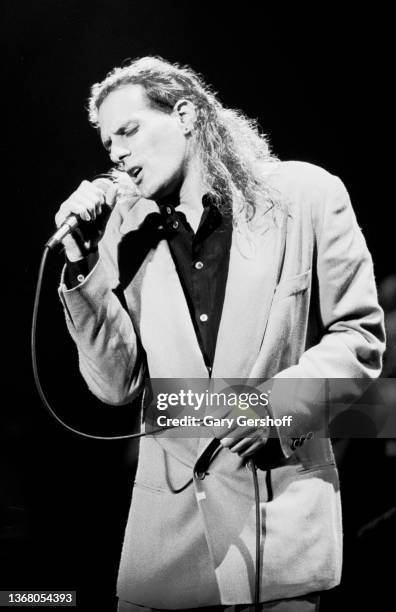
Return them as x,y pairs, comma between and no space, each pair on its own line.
73,221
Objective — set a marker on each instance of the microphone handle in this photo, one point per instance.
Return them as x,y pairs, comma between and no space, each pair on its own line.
70,224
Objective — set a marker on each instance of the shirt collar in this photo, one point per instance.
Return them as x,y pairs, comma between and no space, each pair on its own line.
168,206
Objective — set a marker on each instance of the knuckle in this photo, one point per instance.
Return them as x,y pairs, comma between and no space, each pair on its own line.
63,206
87,189
70,204
62,212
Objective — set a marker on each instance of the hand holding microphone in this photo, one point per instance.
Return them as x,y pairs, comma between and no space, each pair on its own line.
82,218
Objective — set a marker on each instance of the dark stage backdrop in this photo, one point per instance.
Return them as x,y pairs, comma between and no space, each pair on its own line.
318,81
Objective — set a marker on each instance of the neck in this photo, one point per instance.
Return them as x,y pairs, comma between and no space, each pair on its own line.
188,198
191,193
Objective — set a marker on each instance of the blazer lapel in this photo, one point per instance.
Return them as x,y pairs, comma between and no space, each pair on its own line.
158,306
162,319
252,276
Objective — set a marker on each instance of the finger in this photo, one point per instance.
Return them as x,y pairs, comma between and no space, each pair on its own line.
226,442
93,191
247,441
231,437
79,205
111,195
71,208
63,213
244,444
235,431
89,204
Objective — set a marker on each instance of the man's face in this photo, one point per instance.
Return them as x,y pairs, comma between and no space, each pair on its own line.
151,144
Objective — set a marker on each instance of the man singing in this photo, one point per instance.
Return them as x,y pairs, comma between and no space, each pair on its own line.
217,261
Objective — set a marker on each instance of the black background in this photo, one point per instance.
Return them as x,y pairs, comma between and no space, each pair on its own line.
319,83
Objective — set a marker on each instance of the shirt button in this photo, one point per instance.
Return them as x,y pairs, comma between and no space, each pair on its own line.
168,210
198,265
80,278
203,318
175,224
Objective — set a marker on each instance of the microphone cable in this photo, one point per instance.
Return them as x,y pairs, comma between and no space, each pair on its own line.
253,467
37,378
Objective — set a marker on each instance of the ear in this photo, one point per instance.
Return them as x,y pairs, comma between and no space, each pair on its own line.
186,114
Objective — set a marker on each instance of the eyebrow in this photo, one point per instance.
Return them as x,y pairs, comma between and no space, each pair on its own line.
120,131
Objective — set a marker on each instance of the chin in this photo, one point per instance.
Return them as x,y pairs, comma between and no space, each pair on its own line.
145,193
157,191
149,192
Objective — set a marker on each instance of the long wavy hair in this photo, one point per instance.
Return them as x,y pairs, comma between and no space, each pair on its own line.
231,147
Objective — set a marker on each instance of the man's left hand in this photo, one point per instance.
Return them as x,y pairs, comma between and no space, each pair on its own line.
244,440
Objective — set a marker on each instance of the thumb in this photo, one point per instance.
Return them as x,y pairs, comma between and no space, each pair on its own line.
111,195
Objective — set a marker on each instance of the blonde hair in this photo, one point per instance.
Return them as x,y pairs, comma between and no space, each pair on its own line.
231,148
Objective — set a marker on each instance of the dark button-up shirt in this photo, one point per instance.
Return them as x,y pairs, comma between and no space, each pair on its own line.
202,261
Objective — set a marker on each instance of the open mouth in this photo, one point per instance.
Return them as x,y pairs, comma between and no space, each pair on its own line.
135,172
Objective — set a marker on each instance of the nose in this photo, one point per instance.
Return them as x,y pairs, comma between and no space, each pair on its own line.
118,153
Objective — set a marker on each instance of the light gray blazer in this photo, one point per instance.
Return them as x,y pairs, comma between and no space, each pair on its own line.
300,303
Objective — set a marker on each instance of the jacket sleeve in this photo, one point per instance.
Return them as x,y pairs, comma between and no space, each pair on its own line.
111,358
353,338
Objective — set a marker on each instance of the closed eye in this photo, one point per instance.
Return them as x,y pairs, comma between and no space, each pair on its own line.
123,130
131,131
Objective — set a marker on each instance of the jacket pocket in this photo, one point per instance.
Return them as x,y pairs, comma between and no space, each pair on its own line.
293,285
